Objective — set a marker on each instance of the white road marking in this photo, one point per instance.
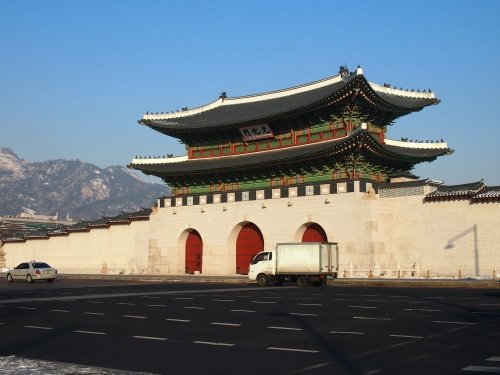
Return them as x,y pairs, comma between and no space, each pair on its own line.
263,301
223,300
63,311
178,320
184,298
408,336
38,327
451,322
495,359
96,302
310,304
93,313
26,308
348,332
239,310
492,370
194,307
369,318
285,328
428,310
153,297
156,305
134,316
150,338
213,343
90,332
125,303
292,349
226,324
363,307
303,314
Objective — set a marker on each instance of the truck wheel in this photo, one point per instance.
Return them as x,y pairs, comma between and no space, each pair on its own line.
302,281
262,279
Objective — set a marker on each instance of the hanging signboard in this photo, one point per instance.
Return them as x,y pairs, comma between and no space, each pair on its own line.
251,133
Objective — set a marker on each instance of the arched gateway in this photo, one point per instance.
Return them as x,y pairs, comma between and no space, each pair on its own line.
194,252
249,242
314,233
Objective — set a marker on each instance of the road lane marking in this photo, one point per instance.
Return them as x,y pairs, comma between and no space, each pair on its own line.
38,327
89,332
62,311
408,336
362,307
486,312
194,307
285,328
213,343
495,359
125,303
292,349
134,316
310,304
263,301
180,298
178,320
452,322
156,305
150,338
369,318
242,310
492,370
153,297
226,324
223,300
303,314
96,302
93,296
348,332
93,313
26,308
428,310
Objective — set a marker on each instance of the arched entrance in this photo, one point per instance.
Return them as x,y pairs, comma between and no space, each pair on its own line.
194,252
248,243
314,233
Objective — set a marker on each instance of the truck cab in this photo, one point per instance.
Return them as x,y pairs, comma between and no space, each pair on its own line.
262,263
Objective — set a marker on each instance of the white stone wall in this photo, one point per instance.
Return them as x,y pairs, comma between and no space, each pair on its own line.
386,237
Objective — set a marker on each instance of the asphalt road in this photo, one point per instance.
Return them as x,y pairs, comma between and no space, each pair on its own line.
178,328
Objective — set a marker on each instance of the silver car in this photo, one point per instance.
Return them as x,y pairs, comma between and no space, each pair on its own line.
31,271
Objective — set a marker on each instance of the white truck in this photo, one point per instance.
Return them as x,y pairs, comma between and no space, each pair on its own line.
307,263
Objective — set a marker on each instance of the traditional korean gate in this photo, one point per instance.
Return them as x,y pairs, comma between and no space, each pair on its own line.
314,233
248,243
194,252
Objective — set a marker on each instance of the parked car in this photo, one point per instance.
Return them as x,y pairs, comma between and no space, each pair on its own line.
31,271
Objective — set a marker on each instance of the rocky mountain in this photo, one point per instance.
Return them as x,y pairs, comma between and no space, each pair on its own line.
71,188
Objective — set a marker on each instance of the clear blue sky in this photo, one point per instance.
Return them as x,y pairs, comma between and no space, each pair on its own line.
75,76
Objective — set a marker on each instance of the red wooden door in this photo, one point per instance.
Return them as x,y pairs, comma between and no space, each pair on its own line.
314,233
248,243
194,252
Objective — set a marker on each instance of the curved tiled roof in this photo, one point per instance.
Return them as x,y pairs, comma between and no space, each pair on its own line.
462,191
291,156
240,111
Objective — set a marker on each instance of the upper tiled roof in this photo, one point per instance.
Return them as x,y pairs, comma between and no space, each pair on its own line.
240,111
290,156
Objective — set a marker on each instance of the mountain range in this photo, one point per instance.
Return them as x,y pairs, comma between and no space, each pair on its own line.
71,188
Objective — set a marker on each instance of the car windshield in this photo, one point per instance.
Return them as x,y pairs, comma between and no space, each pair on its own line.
40,265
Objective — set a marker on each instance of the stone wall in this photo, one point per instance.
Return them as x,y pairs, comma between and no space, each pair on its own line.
378,234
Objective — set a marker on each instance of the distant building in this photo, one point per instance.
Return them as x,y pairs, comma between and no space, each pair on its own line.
308,163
